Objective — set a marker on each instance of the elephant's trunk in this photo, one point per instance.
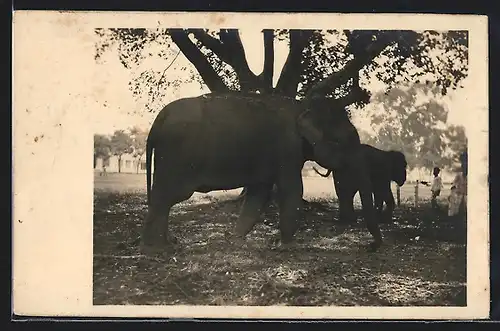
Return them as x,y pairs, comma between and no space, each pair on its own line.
322,175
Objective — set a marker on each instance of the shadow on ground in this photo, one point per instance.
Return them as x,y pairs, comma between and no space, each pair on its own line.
422,263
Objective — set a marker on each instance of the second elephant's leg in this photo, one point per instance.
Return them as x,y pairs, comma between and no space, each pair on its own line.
378,198
345,194
390,203
366,194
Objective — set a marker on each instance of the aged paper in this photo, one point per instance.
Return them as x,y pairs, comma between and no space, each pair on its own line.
54,120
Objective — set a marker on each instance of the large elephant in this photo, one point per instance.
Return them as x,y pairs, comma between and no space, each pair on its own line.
221,141
384,167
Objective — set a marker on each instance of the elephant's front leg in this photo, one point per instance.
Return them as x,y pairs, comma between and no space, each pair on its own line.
290,191
366,193
255,199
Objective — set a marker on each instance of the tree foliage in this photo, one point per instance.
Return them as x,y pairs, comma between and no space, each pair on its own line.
102,146
410,119
121,143
130,141
138,137
334,63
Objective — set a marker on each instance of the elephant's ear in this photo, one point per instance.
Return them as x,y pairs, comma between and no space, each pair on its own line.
307,129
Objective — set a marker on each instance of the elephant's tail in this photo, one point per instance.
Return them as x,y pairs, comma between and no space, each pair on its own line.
149,157
322,175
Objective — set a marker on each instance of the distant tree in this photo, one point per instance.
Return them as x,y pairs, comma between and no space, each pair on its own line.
121,143
102,147
138,137
410,119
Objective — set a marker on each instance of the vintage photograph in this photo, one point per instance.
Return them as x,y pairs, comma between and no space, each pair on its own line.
280,167
242,165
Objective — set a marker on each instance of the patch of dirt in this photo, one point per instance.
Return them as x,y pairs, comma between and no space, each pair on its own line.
422,262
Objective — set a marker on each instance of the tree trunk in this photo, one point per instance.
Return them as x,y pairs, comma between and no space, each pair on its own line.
291,73
231,39
119,164
230,50
138,163
266,77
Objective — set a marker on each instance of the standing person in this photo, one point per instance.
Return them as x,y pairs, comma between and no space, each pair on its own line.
104,173
458,195
437,186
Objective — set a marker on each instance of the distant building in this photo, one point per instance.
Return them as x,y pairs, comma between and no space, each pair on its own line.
129,164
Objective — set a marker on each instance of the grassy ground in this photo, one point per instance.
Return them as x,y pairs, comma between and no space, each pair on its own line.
422,262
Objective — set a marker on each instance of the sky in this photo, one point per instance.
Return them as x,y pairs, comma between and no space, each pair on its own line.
122,110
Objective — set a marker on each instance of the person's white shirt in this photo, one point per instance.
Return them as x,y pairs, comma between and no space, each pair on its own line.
437,184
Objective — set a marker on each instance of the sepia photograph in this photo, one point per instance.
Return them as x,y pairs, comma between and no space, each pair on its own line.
236,164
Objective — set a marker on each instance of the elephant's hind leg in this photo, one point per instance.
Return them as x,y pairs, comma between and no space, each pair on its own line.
155,235
290,191
253,205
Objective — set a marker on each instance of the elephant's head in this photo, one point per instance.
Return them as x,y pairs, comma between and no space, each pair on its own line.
398,167
326,127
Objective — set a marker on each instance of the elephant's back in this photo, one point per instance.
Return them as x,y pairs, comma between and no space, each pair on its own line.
241,104
230,112
228,104
228,121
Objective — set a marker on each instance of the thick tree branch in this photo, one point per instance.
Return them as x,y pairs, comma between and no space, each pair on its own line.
292,69
237,59
230,50
351,69
193,54
212,43
266,77
356,94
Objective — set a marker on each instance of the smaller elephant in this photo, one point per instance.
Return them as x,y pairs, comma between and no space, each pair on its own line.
384,167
